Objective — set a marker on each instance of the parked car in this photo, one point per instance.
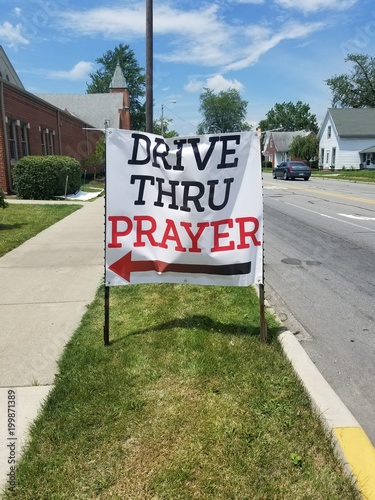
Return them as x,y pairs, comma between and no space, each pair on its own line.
292,170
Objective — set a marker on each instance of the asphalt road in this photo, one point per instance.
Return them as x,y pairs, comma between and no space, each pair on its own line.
319,241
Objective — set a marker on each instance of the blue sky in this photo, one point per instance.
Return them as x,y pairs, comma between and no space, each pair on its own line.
272,51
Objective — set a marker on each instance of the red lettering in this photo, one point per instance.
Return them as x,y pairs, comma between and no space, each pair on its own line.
241,221
171,233
145,232
218,235
226,234
115,219
194,237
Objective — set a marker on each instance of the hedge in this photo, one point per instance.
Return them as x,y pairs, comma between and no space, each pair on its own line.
43,177
3,203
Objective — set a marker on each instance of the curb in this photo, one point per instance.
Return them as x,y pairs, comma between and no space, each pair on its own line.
351,443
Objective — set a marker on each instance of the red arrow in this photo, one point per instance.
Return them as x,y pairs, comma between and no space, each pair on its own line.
125,266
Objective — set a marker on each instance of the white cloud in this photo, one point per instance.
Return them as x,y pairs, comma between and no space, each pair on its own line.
249,1
219,83
17,11
261,40
79,71
200,36
216,82
11,35
309,6
194,85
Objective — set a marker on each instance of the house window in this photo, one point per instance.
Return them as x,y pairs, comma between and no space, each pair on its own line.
329,132
322,156
333,156
25,139
13,141
327,157
43,136
51,143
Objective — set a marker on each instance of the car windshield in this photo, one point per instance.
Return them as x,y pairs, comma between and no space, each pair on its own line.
297,164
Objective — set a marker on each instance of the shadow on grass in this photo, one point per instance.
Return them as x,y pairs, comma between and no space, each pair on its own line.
9,227
205,323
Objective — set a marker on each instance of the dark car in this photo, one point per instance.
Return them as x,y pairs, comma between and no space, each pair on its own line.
292,170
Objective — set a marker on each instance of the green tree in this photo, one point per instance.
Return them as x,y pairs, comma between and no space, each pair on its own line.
222,112
289,117
166,132
135,78
356,89
95,161
305,147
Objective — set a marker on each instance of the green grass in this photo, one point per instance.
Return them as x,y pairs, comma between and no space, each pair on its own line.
93,185
350,175
20,222
185,403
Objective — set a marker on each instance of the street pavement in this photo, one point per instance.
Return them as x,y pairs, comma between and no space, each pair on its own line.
45,287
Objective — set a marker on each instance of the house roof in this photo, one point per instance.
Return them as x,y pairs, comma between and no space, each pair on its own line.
283,140
368,150
354,122
7,72
95,109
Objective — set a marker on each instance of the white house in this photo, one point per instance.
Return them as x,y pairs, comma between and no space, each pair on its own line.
347,138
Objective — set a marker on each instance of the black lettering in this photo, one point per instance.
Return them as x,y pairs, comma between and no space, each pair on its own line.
201,164
180,144
211,195
172,194
192,197
225,151
142,181
161,154
145,147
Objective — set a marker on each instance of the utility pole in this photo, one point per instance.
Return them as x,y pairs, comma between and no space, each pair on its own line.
149,67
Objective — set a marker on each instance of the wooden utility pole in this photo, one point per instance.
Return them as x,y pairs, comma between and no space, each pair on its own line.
149,67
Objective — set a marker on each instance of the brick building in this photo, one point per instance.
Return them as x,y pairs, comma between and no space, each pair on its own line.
54,124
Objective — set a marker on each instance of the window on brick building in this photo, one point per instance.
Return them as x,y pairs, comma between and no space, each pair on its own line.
48,141
13,150
44,138
25,139
51,143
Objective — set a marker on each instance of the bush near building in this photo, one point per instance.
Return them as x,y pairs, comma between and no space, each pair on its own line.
43,177
3,203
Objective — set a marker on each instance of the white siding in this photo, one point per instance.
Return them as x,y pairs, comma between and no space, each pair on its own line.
348,153
347,149
328,143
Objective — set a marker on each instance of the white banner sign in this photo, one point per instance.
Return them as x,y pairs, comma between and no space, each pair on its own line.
183,210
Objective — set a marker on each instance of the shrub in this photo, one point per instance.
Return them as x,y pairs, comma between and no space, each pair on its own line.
94,163
267,164
3,203
43,177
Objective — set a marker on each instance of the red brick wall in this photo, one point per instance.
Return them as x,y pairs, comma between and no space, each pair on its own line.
69,137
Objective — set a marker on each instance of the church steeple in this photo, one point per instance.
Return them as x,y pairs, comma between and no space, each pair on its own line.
118,80
118,85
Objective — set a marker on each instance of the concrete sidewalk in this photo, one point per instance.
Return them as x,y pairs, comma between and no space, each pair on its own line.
45,286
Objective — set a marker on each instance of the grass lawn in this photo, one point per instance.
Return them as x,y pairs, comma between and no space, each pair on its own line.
20,222
186,403
350,175
93,185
